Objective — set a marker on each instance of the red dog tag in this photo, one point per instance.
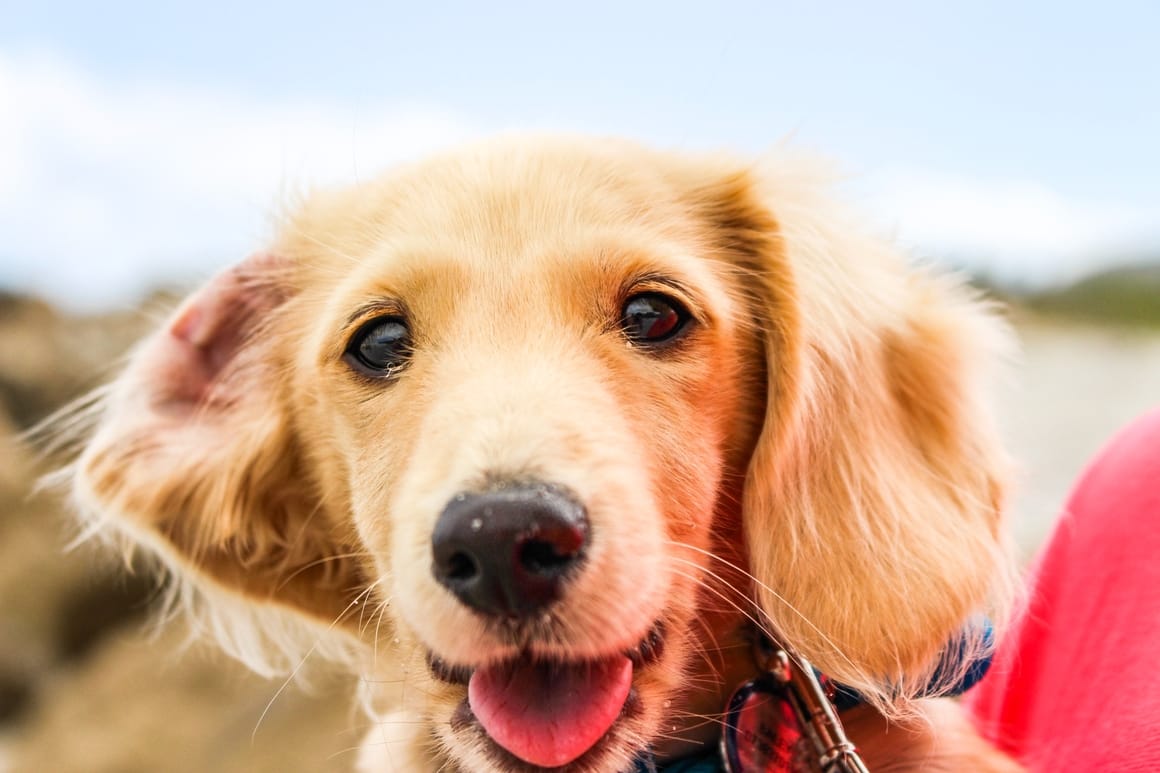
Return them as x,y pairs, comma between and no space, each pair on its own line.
763,733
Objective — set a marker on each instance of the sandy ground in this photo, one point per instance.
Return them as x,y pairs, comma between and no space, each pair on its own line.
125,703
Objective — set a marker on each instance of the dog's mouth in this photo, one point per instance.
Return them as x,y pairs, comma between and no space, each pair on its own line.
550,712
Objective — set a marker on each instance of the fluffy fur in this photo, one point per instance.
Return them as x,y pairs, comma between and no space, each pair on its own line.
816,454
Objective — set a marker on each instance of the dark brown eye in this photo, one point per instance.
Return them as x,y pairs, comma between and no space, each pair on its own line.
652,318
380,347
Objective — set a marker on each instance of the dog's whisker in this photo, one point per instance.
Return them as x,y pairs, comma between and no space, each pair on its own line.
753,618
330,249
347,750
302,661
716,674
757,581
320,562
377,618
700,580
700,720
709,650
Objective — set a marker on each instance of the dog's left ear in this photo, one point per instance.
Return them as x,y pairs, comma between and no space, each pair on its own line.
197,456
872,500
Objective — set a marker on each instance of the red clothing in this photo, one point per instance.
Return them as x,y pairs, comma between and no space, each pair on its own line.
1076,684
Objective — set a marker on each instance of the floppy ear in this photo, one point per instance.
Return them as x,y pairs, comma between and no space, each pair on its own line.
872,499
195,453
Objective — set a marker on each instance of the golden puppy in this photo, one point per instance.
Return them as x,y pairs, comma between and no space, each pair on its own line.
540,434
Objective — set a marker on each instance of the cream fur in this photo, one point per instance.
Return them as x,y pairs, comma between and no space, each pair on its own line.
817,453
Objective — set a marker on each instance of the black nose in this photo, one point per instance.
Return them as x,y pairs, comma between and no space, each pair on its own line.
506,552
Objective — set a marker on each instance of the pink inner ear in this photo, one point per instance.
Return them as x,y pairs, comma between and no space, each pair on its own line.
208,332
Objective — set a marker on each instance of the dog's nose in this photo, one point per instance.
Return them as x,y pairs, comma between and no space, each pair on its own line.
507,552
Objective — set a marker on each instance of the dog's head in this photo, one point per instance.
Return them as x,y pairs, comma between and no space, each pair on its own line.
553,423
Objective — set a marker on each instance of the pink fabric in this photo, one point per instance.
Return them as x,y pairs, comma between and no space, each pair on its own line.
1076,684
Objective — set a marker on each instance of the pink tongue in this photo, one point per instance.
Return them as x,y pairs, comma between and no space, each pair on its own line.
549,714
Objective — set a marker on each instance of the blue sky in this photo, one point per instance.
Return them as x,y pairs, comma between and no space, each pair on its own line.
145,142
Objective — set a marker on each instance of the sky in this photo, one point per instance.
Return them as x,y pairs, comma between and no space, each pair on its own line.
147,143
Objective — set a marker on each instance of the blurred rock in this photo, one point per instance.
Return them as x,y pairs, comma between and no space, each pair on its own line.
48,358
92,612
82,686
15,695
15,461
139,706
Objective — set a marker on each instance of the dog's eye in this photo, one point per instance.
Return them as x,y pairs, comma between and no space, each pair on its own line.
380,347
652,318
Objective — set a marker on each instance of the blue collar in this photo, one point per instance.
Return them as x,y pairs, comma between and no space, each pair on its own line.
703,762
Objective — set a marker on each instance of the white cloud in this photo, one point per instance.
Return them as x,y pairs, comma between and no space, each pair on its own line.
106,188
1013,229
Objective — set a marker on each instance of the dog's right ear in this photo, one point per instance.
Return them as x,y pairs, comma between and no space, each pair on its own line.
195,453
873,496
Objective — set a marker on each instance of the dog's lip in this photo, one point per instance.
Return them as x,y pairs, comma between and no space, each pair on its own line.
445,672
646,652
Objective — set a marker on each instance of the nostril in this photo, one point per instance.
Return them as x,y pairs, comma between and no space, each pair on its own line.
549,552
540,557
461,567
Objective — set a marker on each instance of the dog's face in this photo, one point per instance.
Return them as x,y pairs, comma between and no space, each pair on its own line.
532,402
567,418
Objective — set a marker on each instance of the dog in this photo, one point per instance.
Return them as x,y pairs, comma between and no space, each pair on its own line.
540,436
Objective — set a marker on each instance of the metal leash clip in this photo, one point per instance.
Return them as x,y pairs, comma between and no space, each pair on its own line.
784,721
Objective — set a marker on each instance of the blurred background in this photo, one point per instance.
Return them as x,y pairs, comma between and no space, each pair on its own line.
144,145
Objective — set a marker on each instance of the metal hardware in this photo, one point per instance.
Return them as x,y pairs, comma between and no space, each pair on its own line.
784,720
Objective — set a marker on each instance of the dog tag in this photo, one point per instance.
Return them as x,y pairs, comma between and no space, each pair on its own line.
763,733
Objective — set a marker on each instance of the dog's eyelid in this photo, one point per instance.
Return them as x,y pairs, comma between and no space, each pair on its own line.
384,307
689,301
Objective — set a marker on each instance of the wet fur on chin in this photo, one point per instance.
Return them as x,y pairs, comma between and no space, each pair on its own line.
816,452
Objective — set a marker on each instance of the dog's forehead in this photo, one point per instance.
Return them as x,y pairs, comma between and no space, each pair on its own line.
513,198
516,223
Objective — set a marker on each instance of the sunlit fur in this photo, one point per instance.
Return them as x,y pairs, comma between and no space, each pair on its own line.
814,456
